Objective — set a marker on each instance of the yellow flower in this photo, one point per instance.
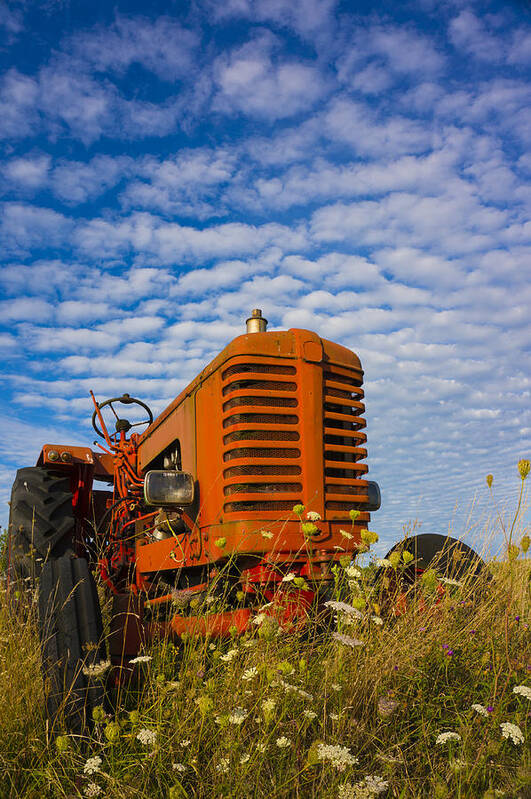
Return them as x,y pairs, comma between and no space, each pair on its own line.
513,551
62,743
298,509
205,704
524,543
407,557
309,529
98,714
524,467
220,542
394,559
354,514
489,478
369,537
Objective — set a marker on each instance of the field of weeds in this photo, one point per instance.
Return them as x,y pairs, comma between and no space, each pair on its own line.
428,697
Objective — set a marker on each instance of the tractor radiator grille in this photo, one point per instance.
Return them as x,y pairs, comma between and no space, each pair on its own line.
343,441
259,441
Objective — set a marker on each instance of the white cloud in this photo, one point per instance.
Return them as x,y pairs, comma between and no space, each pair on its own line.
252,82
25,309
28,172
18,94
80,181
470,34
26,226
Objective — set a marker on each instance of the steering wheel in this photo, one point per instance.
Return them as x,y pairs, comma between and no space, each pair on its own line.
121,424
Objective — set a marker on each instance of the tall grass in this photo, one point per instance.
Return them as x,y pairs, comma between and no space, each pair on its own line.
355,704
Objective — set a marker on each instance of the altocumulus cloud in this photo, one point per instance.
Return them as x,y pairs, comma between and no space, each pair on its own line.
362,175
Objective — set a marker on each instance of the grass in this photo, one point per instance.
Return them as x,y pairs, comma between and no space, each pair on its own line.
303,714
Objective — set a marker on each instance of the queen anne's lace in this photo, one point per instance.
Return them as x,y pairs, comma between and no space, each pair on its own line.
513,732
339,756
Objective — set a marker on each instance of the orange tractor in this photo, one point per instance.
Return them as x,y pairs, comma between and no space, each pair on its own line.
207,489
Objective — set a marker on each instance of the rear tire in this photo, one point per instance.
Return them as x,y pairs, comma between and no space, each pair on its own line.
71,633
451,558
41,520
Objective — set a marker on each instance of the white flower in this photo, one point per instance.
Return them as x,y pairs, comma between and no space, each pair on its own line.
230,655
353,572
313,516
238,716
185,743
480,709
173,684
334,716
513,732
383,563
147,737
523,690
447,736
92,765
266,534
377,620
335,686
92,789
259,618
250,643
261,747
249,674
339,756
95,669
386,707
212,647
310,714
141,659
283,742
223,765
376,784
342,607
245,758
346,640
295,689
179,767
288,577
448,581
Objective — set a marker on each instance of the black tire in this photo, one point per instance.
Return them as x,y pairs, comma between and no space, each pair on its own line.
41,520
451,558
71,633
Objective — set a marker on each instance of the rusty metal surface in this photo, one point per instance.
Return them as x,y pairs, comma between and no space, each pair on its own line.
102,463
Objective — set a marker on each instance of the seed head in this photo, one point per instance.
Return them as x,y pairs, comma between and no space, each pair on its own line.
524,467
112,731
489,478
524,543
309,529
62,743
407,557
298,509
354,514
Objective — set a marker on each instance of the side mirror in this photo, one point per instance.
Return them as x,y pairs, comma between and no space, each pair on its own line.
168,488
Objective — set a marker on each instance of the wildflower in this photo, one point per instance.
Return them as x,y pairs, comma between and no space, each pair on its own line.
513,732
309,529
205,704
489,478
147,737
298,509
345,534
407,557
353,514
376,784
249,674
523,690
238,716
228,656
313,516
300,582
288,577
283,742
309,714
141,659
524,543
96,669
180,767
220,542
295,689
335,686
62,743
98,714
223,765
448,581
369,537
394,559
447,736
92,765
186,743
377,620
353,572
383,563
92,789
489,709
347,640
112,731
245,758
339,756
173,684
342,607
334,716
266,534
480,709
386,707
524,467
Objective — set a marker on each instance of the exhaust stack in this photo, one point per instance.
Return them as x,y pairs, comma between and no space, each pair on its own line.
256,322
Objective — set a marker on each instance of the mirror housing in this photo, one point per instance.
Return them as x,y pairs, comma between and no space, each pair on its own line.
163,487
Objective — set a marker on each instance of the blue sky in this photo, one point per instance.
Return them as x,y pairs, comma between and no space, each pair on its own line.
361,170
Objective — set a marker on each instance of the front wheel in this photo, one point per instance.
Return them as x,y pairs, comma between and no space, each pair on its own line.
72,645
